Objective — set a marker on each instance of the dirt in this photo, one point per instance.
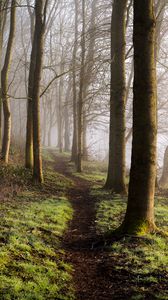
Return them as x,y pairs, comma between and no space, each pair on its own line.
92,281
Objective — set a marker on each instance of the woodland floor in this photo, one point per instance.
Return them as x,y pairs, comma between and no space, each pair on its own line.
90,269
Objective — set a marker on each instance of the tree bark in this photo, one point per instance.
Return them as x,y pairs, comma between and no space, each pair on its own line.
60,113
1,43
139,218
29,126
89,64
81,86
4,86
67,118
74,138
38,39
164,178
116,168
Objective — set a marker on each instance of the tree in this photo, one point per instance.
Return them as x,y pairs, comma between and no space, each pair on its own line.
89,65
4,86
164,178
1,42
81,90
139,216
40,21
29,125
74,138
116,168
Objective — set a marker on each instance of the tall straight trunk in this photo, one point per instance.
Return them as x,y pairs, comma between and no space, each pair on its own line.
74,138
67,118
38,39
164,178
59,115
84,139
44,123
89,64
1,42
81,86
116,168
29,125
139,217
50,124
4,86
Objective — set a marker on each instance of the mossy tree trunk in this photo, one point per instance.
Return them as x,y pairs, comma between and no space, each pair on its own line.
139,218
40,19
4,85
116,168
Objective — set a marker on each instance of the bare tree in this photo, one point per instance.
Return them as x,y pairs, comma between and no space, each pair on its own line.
40,22
4,86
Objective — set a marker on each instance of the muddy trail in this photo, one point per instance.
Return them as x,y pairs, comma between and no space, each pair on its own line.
92,280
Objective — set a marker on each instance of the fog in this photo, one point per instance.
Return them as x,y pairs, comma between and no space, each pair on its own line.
57,102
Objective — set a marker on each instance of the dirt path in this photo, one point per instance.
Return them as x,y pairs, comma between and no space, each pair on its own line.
91,281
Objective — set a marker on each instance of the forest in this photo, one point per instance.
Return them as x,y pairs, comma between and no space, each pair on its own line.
83,149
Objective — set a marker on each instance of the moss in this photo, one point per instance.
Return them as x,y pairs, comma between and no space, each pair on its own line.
139,227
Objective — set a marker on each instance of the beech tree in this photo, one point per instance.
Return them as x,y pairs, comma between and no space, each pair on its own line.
4,85
139,216
38,43
81,91
29,126
116,168
164,178
74,138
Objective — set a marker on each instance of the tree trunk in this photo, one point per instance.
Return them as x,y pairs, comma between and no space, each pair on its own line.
116,168
164,178
67,118
89,65
4,86
59,115
1,43
81,86
74,138
84,135
38,39
50,124
44,123
29,126
139,218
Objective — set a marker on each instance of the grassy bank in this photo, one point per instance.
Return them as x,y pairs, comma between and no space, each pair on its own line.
33,221
141,262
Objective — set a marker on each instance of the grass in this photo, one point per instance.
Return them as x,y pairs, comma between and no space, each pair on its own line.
144,260
33,221
31,259
93,171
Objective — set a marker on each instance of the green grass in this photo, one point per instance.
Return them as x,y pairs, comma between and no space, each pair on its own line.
33,219
31,259
144,259
93,171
